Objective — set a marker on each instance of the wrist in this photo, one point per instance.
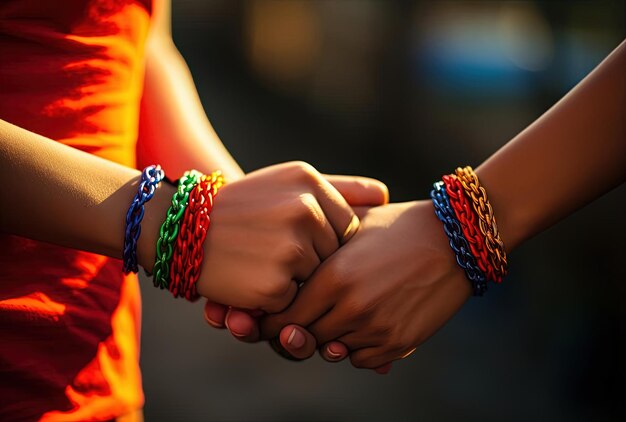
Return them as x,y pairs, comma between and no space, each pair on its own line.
155,211
462,205
428,227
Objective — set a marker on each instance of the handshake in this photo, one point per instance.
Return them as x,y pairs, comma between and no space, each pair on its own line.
309,261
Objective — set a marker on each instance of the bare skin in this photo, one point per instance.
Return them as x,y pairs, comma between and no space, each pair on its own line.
379,310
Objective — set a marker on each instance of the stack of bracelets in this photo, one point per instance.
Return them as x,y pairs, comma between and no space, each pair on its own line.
179,250
462,206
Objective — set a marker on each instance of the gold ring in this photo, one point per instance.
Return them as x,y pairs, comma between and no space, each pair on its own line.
351,230
409,353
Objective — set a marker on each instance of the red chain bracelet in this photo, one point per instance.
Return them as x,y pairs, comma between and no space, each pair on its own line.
469,224
188,251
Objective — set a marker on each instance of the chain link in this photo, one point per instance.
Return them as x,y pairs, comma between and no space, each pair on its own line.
170,227
151,176
189,250
457,240
487,221
467,219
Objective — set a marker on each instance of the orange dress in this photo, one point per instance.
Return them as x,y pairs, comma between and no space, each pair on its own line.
70,70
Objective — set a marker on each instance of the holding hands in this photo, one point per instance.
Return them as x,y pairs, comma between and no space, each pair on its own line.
271,230
393,285
378,297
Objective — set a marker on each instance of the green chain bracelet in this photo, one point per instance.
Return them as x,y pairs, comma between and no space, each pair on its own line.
169,229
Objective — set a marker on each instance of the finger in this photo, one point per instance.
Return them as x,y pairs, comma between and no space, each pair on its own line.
325,241
334,351
383,370
297,341
374,357
331,326
361,211
359,190
339,214
215,314
315,298
307,262
242,325
370,358
356,340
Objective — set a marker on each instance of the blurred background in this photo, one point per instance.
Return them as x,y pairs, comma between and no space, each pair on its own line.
405,91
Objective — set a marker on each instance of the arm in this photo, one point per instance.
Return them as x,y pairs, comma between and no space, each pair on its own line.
174,129
568,157
61,195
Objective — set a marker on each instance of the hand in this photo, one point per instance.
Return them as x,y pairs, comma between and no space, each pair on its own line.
385,292
359,192
269,231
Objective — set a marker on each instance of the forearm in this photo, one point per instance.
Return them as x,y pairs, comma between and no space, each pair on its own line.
571,155
57,194
174,130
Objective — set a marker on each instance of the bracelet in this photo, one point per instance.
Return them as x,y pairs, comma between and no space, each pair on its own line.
150,179
170,227
486,220
467,219
457,240
189,251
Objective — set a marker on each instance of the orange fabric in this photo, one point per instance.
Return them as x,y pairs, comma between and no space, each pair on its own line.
70,70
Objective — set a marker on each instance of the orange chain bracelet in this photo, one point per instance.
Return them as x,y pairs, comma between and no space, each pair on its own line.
487,221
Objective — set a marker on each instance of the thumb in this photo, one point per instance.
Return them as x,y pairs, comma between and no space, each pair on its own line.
358,190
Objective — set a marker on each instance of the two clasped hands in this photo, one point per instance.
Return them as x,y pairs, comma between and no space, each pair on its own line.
287,261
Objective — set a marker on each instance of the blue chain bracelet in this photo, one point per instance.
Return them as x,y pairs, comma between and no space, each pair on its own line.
150,179
458,243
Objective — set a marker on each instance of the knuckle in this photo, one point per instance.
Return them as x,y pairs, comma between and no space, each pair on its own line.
362,311
308,206
271,289
363,308
312,212
303,171
302,166
303,215
302,208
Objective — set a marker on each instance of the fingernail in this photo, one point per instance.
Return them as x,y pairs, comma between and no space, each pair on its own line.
333,354
296,339
212,322
235,333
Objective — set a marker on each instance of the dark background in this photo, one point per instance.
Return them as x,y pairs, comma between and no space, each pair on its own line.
406,91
